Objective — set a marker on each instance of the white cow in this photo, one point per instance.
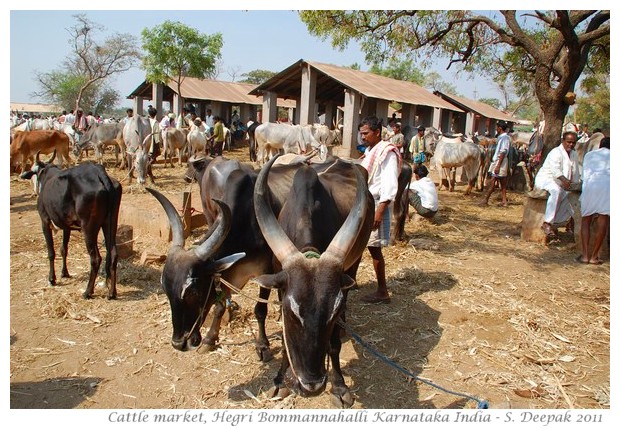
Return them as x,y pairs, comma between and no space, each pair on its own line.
137,134
196,138
174,143
451,154
273,137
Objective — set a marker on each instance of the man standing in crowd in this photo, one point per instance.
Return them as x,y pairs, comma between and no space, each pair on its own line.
595,201
383,162
557,174
418,147
498,170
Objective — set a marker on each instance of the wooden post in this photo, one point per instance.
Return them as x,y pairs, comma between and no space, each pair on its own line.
186,214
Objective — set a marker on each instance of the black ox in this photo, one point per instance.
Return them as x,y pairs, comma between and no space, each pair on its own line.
82,198
317,240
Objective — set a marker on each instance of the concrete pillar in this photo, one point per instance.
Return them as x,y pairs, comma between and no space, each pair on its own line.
307,113
407,121
177,104
297,112
436,119
330,114
469,123
137,106
245,113
381,110
352,102
270,107
158,99
216,108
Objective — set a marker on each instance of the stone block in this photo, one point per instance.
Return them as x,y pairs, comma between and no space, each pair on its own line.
124,241
533,216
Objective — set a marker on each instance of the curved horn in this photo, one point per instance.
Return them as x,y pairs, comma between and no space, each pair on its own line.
276,238
49,161
173,217
144,143
217,232
36,158
345,237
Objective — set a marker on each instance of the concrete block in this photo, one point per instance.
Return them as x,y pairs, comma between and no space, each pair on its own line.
533,217
124,241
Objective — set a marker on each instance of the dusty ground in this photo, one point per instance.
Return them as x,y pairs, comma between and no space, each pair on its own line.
474,309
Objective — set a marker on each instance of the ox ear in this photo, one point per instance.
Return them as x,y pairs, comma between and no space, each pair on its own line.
272,281
224,263
348,282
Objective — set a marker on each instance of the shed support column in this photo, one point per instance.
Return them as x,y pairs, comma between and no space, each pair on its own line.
436,122
307,109
330,109
177,104
382,111
297,112
270,107
469,124
158,99
407,121
352,102
137,105
245,113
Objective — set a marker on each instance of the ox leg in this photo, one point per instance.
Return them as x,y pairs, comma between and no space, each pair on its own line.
51,254
341,395
452,179
64,251
90,238
213,334
260,312
111,256
280,389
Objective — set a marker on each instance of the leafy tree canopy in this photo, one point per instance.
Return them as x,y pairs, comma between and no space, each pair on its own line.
543,50
257,77
175,51
82,79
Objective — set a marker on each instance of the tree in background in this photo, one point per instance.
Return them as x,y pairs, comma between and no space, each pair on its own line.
175,51
547,48
257,77
434,82
399,70
82,81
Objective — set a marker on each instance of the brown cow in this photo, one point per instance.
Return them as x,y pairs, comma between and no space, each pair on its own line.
26,144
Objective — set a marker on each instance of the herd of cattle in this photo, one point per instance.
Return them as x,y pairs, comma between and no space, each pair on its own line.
298,227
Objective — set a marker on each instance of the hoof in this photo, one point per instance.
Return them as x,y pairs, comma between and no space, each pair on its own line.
264,354
87,295
342,401
277,392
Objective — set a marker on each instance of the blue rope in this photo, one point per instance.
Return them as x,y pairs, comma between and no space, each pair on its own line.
482,404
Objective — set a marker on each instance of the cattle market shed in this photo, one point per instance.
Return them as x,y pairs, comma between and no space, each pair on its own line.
219,96
476,117
36,108
319,88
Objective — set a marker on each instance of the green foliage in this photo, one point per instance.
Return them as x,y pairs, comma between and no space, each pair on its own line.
539,52
82,81
257,76
491,102
400,70
175,50
594,106
434,82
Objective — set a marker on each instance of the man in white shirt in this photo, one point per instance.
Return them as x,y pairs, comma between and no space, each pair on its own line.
423,193
498,169
557,174
382,160
594,200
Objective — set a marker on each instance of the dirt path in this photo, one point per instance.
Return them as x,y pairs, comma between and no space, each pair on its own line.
474,309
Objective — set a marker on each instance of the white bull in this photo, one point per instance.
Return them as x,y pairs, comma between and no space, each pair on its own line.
271,138
136,135
449,155
174,143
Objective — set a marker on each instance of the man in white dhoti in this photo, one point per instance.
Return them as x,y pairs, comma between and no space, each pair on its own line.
557,174
595,201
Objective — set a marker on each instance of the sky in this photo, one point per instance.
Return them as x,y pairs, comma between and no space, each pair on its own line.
253,39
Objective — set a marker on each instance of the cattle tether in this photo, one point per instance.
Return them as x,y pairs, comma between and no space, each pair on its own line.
82,198
318,240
